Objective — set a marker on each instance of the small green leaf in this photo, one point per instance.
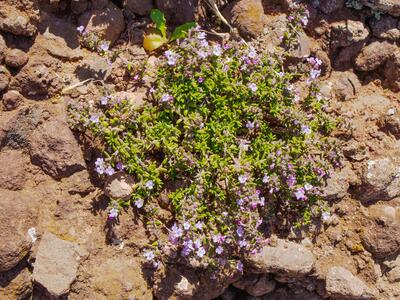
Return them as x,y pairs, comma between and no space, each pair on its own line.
158,18
182,30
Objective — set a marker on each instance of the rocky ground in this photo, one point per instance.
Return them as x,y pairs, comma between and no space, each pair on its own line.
56,242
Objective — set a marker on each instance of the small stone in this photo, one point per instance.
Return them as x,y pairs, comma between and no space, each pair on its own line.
374,55
286,258
345,85
248,16
140,7
119,186
107,23
18,24
385,28
54,148
56,265
302,49
338,183
12,99
342,284
16,58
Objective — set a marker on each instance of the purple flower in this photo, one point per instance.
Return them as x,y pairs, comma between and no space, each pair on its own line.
202,54
95,118
243,244
197,244
119,166
109,171
314,74
186,225
217,238
240,202
300,194
139,203
252,87
148,255
239,266
166,98
250,125
204,44
187,247
291,180
240,231
217,50
200,252
175,233
305,129
290,18
201,35
219,250
308,187
200,80
265,179
304,21
104,100
149,184
104,46
199,225
172,57
80,29
100,166
242,179
113,213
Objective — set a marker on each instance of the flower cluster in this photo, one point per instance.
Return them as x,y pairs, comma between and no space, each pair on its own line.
224,142
92,41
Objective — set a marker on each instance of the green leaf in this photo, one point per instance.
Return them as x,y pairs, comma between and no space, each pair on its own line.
158,18
181,31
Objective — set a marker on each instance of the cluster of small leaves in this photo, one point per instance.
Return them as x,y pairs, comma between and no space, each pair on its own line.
224,142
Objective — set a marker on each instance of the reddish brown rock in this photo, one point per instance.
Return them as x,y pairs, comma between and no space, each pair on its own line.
55,149
178,11
374,55
17,214
4,78
16,58
392,72
14,165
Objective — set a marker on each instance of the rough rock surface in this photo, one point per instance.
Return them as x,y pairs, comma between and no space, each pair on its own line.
256,285
13,165
178,11
287,258
392,71
330,6
4,78
56,264
342,284
107,23
391,7
374,55
16,284
55,149
386,27
248,16
18,212
17,23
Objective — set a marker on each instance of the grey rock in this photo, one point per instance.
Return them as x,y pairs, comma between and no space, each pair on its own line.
58,48
12,99
374,55
346,33
302,49
286,258
56,265
93,66
391,7
18,212
330,6
140,7
342,284
108,23
54,148
119,186
386,28
16,58
338,183
345,85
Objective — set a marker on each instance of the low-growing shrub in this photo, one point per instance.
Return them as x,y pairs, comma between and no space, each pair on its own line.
224,142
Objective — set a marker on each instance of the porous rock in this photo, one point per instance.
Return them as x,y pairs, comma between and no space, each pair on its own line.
346,33
12,99
287,258
13,165
4,78
18,23
374,55
391,7
387,27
